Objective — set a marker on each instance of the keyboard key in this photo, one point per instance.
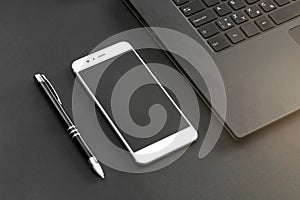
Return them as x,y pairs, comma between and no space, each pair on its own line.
237,4
239,17
282,2
251,1
253,11
210,3
264,23
235,35
180,2
250,29
208,30
218,43
286,13
192,8
267,5
225,23
222,9
203,18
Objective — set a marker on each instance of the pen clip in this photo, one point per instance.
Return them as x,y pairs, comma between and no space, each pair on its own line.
52,88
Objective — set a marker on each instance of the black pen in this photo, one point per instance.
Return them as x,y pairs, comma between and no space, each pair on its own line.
71,129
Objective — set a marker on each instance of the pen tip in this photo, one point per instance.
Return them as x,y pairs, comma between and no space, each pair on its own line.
38,77
96,166
98,169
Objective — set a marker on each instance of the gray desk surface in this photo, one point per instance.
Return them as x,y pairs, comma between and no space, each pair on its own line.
38,161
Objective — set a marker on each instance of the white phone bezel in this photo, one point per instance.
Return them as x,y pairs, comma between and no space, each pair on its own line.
156,150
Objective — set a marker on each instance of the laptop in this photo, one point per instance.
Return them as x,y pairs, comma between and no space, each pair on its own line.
255,45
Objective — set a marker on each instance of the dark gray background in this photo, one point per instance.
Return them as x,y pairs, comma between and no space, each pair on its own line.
38,160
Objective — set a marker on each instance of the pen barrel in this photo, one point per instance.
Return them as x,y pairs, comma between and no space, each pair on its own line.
76,136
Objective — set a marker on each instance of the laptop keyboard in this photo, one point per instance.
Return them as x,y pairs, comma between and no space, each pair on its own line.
223,23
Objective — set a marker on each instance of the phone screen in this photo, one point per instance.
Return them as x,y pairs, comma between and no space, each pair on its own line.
133,99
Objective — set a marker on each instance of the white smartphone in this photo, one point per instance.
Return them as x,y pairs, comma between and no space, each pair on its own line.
118,59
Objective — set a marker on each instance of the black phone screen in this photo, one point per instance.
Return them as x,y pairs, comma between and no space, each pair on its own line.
133,99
